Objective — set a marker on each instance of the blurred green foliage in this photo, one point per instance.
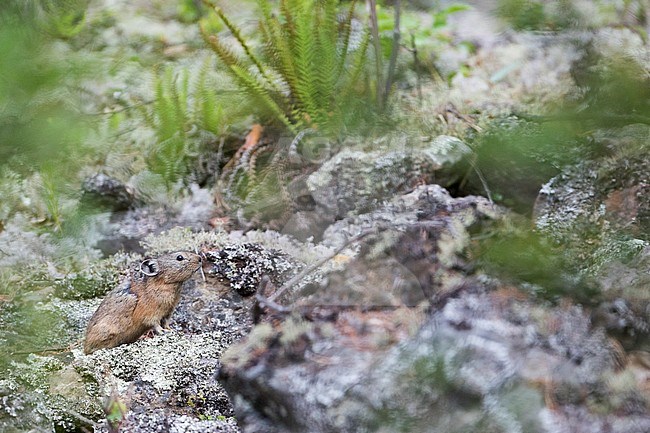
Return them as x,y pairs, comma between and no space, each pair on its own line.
34,122
538,15
516,157
517,154
517,254
64,18
428,37
25,325
616,92
40,129
522,14
419,35
185,116
41,151
190,11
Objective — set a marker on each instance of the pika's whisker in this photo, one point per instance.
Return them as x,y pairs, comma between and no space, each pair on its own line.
202,256
202,273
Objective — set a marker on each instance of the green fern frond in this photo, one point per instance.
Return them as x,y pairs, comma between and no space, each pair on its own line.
308,76
247,81
286,7
238,36
325,75
359,63
253,86
210,112
346,31
178,99
225,54
164,121
177,105
304,54
279,51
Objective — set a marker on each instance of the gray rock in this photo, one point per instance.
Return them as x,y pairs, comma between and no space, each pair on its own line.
244,264
361,181
107,192
126,229
479,362
159,420
361,353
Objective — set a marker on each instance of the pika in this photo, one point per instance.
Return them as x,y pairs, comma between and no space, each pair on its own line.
144,300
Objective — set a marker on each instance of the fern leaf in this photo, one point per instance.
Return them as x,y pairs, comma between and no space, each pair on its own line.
304,51
290,26
227,56
237,34
178,100
208,109
253,86
325,76
279,51
360,60
278,43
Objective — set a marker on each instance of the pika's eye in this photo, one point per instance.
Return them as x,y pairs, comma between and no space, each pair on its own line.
180,258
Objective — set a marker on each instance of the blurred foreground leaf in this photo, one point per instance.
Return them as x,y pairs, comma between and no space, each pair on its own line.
515,253
38,121
41,132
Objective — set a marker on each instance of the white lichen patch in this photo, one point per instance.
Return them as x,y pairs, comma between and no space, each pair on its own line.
76,313
180,238
162,361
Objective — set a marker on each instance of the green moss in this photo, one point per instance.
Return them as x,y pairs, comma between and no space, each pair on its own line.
94,279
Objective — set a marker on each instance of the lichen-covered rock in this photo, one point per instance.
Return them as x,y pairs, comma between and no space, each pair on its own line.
483,361
407,338
22,409
599,210
243,265
158,420
45,391
173,368
607,194
361,181
415,254
167,383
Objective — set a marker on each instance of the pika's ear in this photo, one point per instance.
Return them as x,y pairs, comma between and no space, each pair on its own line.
150,267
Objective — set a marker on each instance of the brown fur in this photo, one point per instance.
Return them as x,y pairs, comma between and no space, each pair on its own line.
145,300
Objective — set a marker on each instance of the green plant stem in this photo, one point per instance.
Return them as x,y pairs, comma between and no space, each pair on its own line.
394,52
346,37
416,66
374,29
